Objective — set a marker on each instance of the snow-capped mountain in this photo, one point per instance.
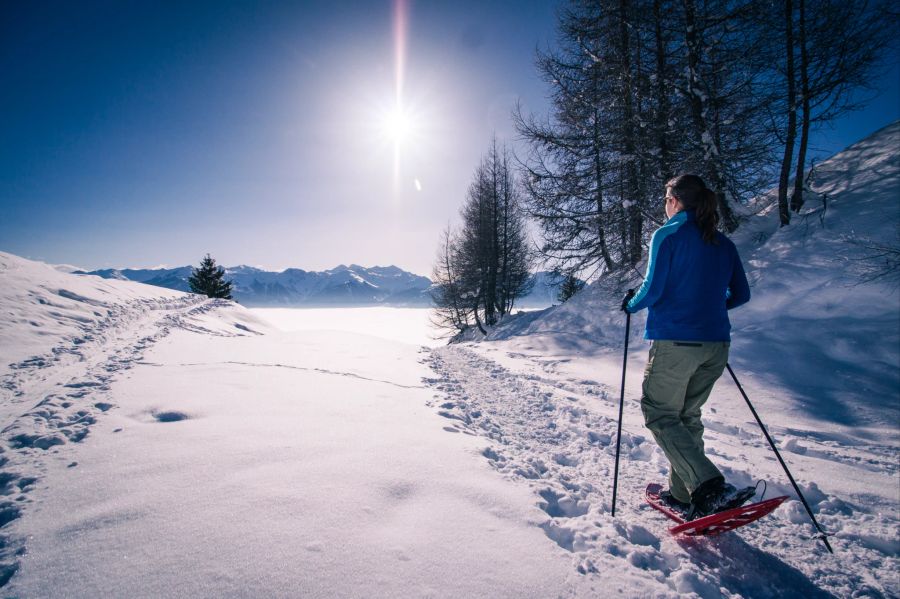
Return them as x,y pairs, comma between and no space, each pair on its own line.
342,285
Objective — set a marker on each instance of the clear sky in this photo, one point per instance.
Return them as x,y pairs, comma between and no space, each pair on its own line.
134,134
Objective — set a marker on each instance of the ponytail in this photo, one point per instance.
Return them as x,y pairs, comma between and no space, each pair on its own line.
708,215
693,194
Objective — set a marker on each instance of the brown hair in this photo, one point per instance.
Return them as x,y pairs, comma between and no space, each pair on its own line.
693,194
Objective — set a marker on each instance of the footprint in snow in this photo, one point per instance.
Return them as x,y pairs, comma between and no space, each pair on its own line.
81,384
170,416
44,442
561,535
492,455
565,460
560,505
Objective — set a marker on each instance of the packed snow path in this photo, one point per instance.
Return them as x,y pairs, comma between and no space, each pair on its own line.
556,430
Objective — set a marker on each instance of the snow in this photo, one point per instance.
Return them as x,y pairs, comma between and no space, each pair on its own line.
192,449
407,325
295,465
157,443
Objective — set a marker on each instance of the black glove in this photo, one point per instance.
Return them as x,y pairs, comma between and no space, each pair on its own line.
627,299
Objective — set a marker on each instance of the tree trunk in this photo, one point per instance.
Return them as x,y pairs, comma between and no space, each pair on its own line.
797,196
598,189
632,251
698,114
662,119
494,255
783,180
477,319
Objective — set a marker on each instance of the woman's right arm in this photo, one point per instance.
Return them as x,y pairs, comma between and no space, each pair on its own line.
738,287
657,271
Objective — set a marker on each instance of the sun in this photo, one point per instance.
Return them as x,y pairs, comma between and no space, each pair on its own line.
397,125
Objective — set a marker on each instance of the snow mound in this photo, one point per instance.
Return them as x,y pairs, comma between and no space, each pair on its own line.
48,313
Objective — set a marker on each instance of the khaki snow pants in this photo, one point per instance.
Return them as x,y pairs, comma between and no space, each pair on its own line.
677,382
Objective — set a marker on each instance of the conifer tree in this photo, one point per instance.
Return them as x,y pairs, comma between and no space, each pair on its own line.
484,268
209,280
570,286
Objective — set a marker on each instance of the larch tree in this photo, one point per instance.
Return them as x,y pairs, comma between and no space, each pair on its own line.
486,266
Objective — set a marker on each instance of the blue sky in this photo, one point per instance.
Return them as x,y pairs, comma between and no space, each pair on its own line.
139,134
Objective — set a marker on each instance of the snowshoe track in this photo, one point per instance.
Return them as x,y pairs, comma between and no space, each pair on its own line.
61,394
554,436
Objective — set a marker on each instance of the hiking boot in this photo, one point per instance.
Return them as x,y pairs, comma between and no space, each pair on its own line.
669,500
716,495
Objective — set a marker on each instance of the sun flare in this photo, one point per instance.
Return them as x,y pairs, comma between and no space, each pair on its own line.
397,125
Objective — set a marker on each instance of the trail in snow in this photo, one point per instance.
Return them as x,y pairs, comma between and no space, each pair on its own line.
330,484
557,434
73,382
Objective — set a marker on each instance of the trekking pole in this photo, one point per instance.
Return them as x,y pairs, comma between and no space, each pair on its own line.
822,535
621,406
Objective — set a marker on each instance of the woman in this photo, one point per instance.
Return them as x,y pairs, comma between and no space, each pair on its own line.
694,276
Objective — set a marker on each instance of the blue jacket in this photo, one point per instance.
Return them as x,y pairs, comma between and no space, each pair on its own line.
690,284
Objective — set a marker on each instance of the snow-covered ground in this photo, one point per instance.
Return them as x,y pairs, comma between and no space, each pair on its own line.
407,325
184,447
155,443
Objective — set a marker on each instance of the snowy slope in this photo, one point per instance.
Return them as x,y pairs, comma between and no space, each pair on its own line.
64,338
817,326
817,349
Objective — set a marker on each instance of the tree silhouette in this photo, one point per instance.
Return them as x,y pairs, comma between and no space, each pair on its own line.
209,279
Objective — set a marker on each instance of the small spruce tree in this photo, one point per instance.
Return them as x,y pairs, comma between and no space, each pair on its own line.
570,286
209,280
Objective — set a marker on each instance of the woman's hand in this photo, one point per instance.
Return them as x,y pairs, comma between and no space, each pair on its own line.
627,299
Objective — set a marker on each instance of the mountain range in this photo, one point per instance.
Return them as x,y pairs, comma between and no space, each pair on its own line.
340,286
354,284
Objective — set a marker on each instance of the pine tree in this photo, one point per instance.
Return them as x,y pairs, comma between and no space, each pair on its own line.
209,280
570,286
